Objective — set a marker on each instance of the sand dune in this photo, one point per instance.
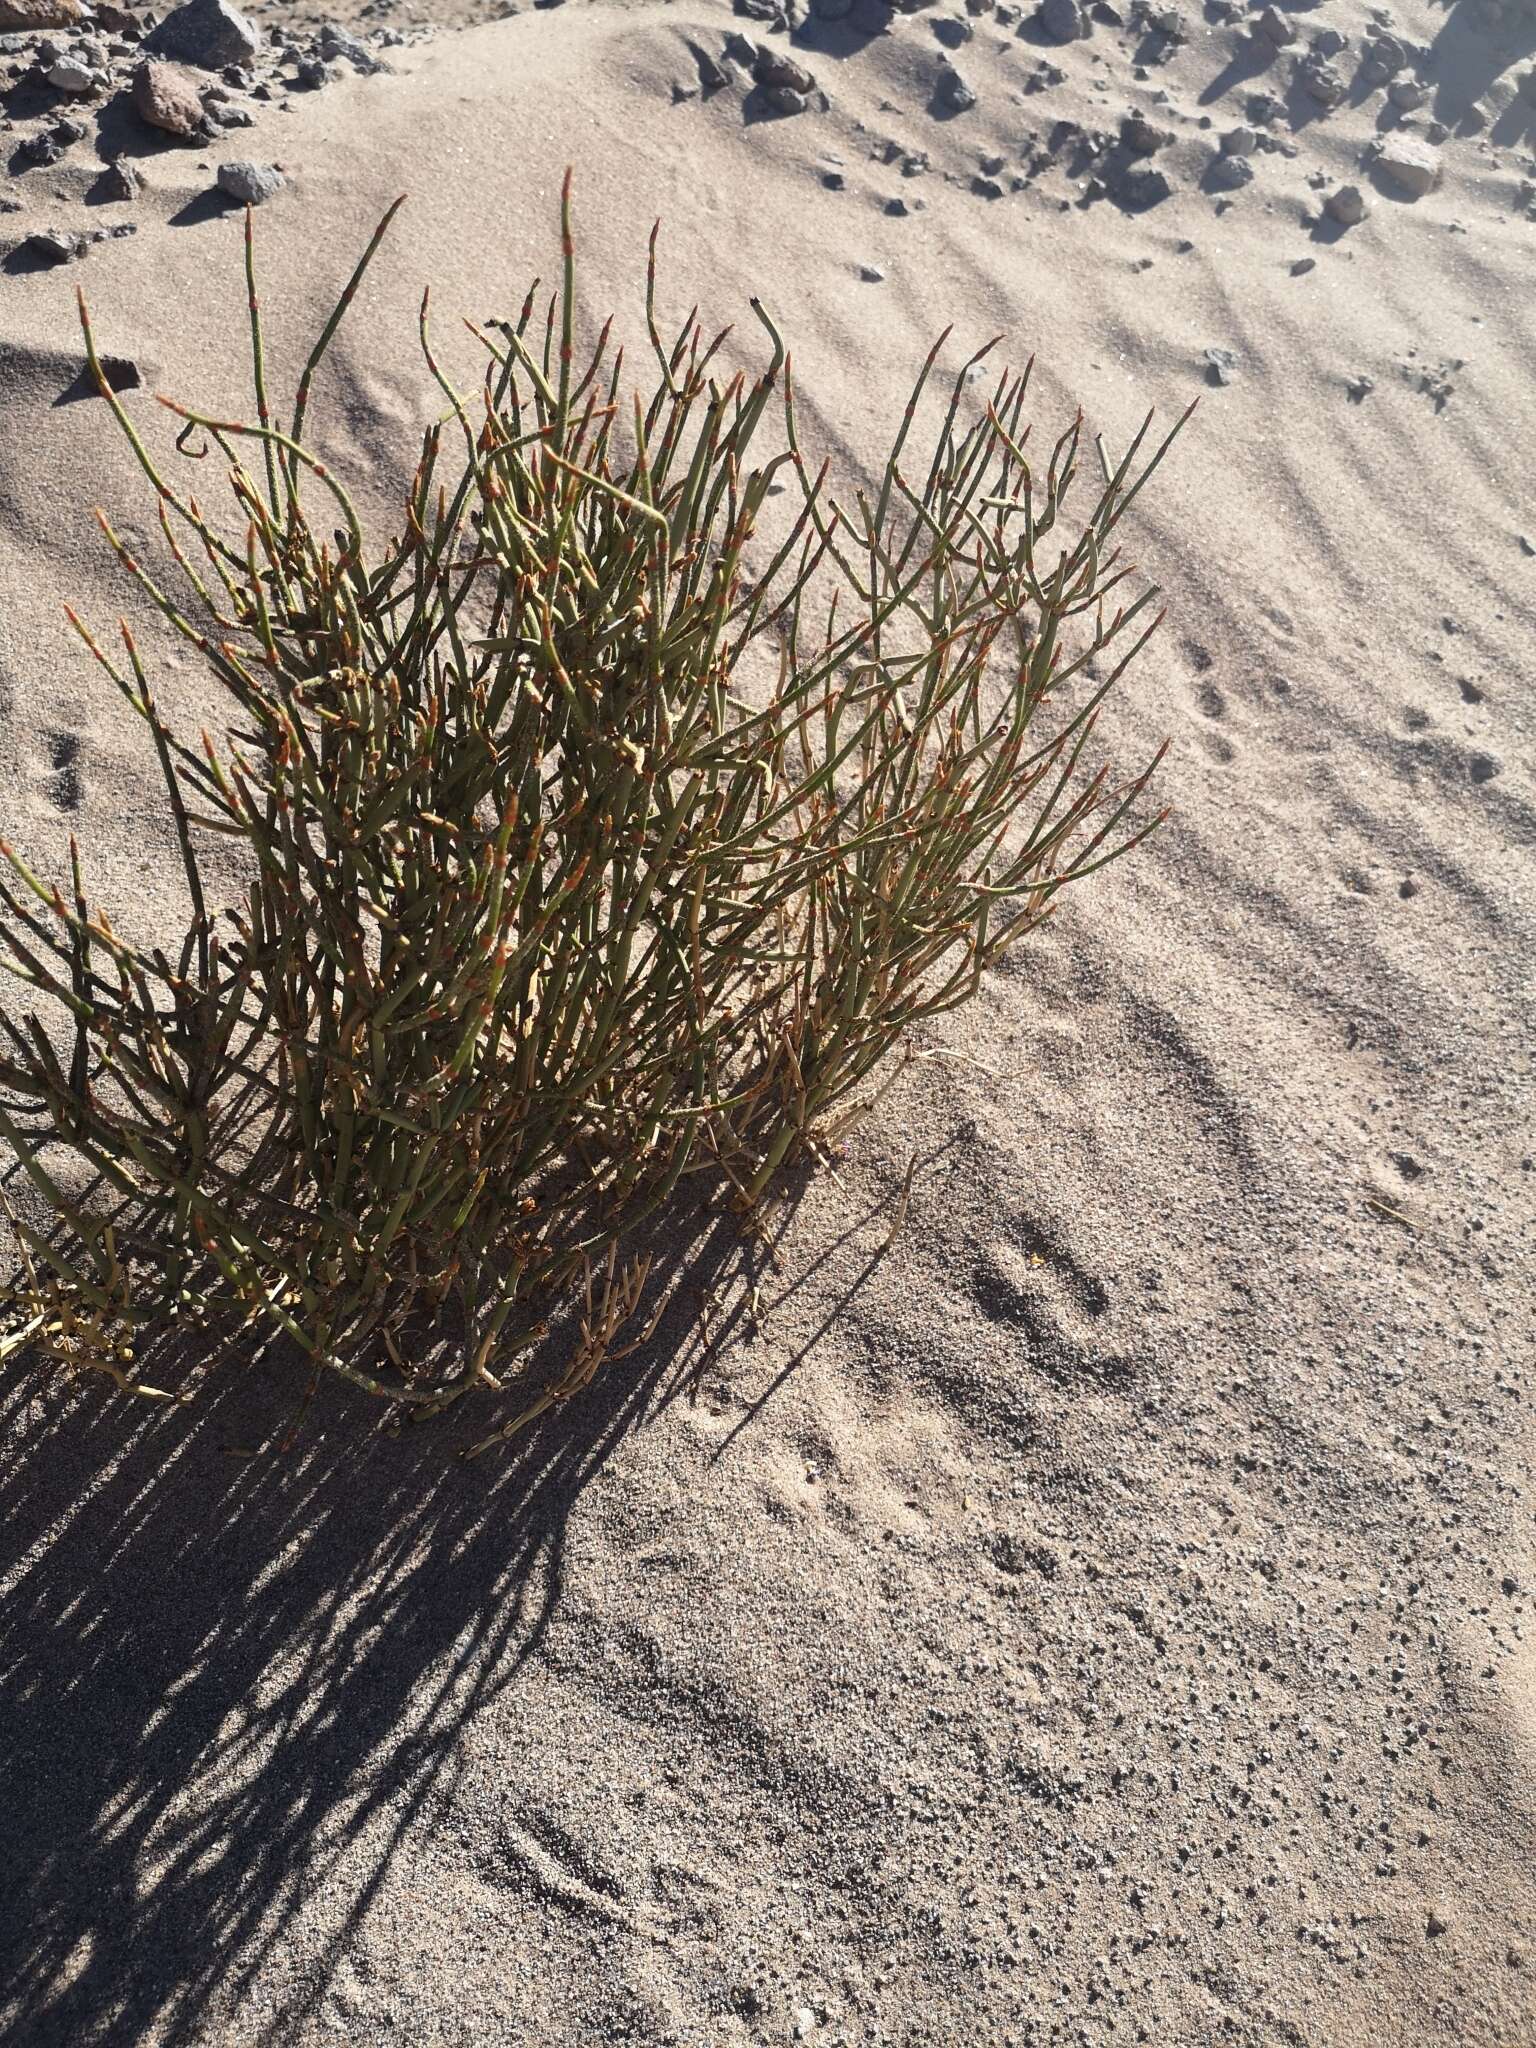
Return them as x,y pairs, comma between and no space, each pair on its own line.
1104,1615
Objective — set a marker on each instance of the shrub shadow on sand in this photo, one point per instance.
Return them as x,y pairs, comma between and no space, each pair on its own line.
222,1671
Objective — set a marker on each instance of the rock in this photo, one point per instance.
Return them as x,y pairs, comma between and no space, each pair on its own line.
240,117
1435,1925
70,75
740,49
1220,365
1140,137
785,100
1169,22
208,33
1329,42
952,90
1526,85
1062,20
1406,93
831,10
39,150
986,188
335,44
1302,265
250,183
953,30
1348,206
1323,81
1263,107
773,69
1360,387
1274,28
1410,165
313,73
54,245
121,372
26,17
167,97
1227,172
1238,142
1141,185
122,180
1385,56
871,273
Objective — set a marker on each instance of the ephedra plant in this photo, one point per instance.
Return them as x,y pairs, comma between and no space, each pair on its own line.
609,820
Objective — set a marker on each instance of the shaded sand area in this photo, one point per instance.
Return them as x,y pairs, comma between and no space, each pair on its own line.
1104,1613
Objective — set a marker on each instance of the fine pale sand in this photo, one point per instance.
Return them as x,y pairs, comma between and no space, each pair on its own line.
1104,1615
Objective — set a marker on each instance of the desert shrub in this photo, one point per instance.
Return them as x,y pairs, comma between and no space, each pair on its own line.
609,821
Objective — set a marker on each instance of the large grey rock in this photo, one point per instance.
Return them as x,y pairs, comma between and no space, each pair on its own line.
1227,172
250,183
1063,20
73,76
55,245
208,33
1410,165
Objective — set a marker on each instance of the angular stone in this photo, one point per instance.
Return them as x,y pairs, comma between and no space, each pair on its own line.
1142,185
70,75
250,183
336,43
1274,28
122,180
774,70
1063,20
1348,206
167,97
953,91
1141,138
1323,81
55,245
1228,172
1412,166
208,33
